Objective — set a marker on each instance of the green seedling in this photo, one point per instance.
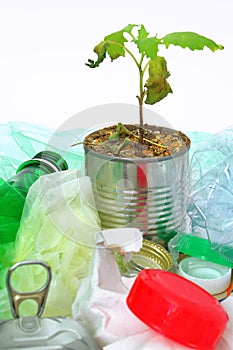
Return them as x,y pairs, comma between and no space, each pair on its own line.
156,86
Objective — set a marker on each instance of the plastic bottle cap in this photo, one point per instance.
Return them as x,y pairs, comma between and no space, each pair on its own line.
177,308
212,277
200,248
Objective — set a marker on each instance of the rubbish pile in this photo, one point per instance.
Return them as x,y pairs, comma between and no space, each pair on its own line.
109,288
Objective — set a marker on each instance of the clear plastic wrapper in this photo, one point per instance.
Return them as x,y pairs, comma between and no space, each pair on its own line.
211,195
219,219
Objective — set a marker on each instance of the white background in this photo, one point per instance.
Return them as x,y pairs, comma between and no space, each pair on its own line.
44,45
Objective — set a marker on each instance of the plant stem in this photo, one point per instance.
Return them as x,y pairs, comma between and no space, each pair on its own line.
141,85
126,49
141,131
141,97
144,69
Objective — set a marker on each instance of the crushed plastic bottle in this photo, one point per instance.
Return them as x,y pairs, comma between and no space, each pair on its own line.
211,195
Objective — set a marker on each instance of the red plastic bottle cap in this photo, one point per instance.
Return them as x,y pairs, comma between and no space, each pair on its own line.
177,308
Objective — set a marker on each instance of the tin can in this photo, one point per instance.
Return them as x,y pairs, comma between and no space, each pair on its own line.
147,193
36,332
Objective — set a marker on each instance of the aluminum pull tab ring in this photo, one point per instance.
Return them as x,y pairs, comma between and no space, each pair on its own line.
40,295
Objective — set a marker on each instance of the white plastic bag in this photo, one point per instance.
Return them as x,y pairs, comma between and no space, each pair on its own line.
100,305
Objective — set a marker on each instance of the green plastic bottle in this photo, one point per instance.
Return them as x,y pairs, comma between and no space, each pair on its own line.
14,191
41,164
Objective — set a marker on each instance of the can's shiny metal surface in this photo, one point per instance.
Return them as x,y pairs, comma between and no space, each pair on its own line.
36,332
147,193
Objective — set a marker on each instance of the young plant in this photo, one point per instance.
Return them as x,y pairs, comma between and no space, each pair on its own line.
156,87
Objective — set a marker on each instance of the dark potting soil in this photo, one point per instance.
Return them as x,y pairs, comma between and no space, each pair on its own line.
157,142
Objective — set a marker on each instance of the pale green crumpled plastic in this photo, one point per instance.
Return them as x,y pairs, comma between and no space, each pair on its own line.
58,226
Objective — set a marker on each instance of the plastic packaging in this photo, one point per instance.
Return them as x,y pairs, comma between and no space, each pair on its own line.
34,332
219,218
211,195
100,305
177,309
193,245
214,278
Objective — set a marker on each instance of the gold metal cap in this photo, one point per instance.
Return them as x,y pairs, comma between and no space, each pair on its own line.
151,255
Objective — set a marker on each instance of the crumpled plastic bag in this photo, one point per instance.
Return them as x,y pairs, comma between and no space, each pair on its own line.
58,226
219,218
211,195
147,340
100,304
209,152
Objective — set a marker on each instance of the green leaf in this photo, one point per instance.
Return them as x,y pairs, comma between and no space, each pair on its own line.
128,29
156,85
100,50
116,42
112,44
149,46
142,33
191,40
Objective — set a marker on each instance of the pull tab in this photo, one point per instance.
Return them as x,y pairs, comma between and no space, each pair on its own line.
39,295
